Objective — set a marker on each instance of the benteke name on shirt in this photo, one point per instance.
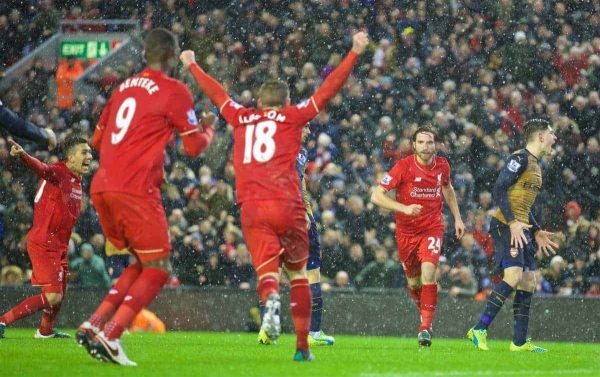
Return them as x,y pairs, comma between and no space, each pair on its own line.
140,82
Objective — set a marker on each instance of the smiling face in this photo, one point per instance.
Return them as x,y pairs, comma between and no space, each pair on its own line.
79,158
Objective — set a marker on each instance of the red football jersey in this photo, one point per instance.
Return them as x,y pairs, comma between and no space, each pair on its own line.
418,184
137,124
266,144
56,205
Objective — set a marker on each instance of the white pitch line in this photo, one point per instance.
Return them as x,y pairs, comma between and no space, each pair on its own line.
485,373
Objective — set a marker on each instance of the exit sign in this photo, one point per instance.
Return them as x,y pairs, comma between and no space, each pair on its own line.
85,49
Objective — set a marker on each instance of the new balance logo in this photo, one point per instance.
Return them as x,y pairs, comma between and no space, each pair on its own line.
418,179
128,298
113,292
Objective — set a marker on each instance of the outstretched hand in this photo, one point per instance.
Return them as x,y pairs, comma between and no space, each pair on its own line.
517,234
548,247
16,150
187,57
360,41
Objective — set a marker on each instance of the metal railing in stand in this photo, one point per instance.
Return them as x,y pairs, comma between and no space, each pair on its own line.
95,26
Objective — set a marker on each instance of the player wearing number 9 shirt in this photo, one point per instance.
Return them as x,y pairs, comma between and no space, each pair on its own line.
131,136
420,180
266,143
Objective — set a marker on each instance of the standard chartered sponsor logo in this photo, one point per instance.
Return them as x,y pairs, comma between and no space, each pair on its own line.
424,192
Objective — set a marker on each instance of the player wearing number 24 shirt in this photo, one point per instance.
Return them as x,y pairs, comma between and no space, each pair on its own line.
419,181
266,142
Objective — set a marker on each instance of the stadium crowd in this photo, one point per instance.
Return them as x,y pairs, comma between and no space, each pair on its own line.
476,70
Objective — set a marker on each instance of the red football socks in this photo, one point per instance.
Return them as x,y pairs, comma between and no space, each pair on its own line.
429,297
415,295
141,293
300,302
48,318
266,286
25,308
115,296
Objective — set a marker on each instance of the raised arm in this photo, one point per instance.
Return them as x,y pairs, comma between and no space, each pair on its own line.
44,171
19,127
196,141
336,79
209,86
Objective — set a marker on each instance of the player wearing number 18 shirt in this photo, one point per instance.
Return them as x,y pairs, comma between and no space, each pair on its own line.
420,180
131,136
266,143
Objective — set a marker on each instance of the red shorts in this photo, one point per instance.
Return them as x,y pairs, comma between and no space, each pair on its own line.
50,268
414,250
274,230
135,223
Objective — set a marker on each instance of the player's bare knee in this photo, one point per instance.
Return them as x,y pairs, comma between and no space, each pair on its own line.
527,281
513,276
428,273
314,276
297,274
53,298
161,264
414,283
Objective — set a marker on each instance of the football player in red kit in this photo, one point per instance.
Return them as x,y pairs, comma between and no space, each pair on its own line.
131,136
56,210
420,180
266,143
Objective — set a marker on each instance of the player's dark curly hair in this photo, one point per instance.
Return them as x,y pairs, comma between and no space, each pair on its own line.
427,128
534,125
67,146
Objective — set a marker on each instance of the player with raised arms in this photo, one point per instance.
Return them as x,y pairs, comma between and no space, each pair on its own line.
267,141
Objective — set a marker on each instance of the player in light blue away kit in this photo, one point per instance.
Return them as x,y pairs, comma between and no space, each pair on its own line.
316,337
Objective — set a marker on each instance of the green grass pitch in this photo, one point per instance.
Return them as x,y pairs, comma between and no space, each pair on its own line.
231,354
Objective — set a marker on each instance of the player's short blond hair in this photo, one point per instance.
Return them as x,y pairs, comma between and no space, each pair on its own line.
274,93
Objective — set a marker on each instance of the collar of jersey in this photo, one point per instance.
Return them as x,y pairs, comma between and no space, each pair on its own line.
425,168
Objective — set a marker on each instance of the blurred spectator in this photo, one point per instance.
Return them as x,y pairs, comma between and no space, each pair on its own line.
89,271
381,273
242,273
213,273
11,275
67,72
462,282
342,280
